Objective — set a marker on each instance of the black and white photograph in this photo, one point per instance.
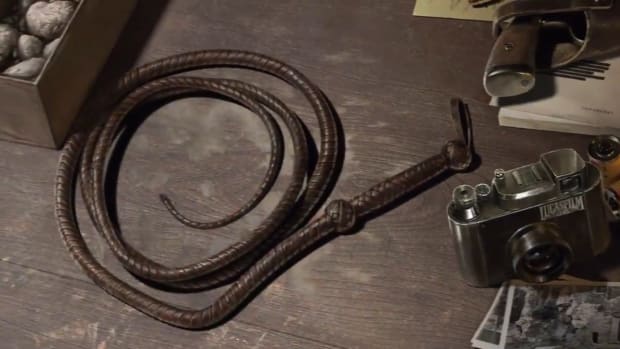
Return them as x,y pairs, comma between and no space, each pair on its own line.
489,334
565,316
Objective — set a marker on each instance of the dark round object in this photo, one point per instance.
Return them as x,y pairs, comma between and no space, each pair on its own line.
604,148
543,259
539,253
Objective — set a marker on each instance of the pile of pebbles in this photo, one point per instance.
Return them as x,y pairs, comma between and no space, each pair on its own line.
30,31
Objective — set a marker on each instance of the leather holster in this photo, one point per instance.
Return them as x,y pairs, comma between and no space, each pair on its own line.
576,29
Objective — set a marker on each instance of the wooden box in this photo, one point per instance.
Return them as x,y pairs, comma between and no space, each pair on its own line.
41,111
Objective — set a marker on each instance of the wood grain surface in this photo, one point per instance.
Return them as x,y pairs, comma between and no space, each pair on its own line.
395,284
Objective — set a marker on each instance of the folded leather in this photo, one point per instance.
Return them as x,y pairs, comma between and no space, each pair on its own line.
593,24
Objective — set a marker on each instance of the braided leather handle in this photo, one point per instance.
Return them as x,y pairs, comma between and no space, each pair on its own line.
281,239
456,155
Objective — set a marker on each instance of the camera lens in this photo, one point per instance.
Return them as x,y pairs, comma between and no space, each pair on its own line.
604,148
543,259
539,253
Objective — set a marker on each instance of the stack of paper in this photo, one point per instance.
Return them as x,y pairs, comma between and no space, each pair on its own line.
582,99
457,9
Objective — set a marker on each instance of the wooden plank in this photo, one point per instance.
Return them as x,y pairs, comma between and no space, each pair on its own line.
38,311
307,301
393,285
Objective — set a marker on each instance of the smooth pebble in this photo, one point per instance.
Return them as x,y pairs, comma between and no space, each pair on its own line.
8,41
30,33
49,49
48,20
27,69
29,46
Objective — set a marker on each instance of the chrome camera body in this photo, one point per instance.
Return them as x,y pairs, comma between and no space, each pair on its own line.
532,222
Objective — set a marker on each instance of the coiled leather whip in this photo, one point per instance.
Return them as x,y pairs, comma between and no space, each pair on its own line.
281,238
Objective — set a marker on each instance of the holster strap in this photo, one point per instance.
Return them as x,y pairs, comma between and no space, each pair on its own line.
519,8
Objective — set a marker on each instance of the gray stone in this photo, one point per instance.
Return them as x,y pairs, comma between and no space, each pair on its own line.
27,69
29,46
49,49
48,20
8,42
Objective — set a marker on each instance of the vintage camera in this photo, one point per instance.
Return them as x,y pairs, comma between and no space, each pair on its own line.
533,222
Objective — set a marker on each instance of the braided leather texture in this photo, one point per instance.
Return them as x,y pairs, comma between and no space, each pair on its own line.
280,239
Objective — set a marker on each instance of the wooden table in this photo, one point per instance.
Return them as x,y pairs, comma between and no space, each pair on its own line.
395,284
